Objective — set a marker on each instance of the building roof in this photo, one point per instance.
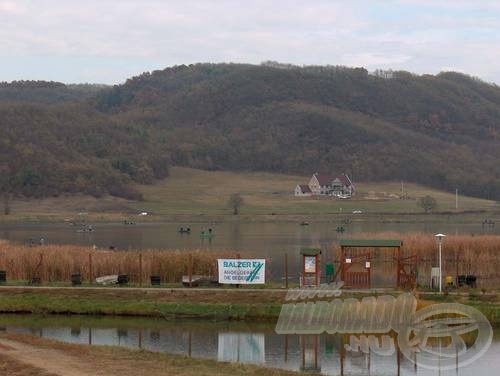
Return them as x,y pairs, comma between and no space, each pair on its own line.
324,179
344,179
390,243
310,251
327,179
304,188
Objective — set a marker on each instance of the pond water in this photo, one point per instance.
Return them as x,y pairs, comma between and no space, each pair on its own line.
266,239
235,342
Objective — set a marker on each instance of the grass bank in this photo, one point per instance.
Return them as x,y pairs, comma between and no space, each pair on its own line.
204,304
257,305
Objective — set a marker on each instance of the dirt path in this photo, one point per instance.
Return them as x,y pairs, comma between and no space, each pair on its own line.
25,355
49,360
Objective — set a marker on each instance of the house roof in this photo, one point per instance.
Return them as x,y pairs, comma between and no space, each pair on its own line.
324,179
304,188
344,179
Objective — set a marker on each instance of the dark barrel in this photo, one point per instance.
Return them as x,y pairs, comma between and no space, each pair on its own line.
155,280
122,279
471,281
76,279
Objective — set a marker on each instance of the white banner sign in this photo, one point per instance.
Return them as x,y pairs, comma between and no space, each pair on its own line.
242,271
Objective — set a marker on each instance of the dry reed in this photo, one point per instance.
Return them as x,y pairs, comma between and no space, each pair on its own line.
56,263
462,254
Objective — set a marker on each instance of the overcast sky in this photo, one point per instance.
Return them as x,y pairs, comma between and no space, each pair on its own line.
107,41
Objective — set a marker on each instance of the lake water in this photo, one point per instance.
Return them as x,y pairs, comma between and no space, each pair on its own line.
235,342
266,239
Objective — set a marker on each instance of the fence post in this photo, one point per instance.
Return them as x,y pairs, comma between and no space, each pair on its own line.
268,270
90,268
286,271
190,269
140,269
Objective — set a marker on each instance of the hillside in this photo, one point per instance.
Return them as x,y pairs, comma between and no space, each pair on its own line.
70,149
45,92
441,131
191,193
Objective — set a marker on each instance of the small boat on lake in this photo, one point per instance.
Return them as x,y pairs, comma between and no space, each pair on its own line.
207,234
87,228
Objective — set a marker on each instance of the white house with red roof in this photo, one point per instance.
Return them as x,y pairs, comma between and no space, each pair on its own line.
327,185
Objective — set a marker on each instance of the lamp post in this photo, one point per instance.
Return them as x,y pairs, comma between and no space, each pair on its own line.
440,238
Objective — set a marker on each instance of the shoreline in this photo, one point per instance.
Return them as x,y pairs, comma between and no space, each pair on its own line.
252,305
461,217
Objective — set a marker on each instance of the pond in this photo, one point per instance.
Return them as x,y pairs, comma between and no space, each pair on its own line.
268,239
234,342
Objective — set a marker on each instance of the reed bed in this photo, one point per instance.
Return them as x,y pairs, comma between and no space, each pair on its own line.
56,263
461,255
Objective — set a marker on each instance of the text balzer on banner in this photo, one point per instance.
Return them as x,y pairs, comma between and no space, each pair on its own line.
242,271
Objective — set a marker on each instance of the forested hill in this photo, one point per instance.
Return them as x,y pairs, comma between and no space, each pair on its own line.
45,92
438,130
442,130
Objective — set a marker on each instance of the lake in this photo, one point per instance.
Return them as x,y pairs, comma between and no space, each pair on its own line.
266,239
234,342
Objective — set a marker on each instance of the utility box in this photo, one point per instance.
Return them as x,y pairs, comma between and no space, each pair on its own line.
434,278
329,272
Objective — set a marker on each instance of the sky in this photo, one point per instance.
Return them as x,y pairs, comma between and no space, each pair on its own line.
108,41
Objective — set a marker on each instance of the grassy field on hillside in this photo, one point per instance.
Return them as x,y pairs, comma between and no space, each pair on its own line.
190,192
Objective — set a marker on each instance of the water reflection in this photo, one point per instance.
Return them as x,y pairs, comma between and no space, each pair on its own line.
238,343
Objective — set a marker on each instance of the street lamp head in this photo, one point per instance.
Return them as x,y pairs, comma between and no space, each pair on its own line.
440,237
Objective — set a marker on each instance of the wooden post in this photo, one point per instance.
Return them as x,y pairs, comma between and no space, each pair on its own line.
398,277
190,269
369,274
90,268
318,260
140,269
268,270
286,270
342,264
41,267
